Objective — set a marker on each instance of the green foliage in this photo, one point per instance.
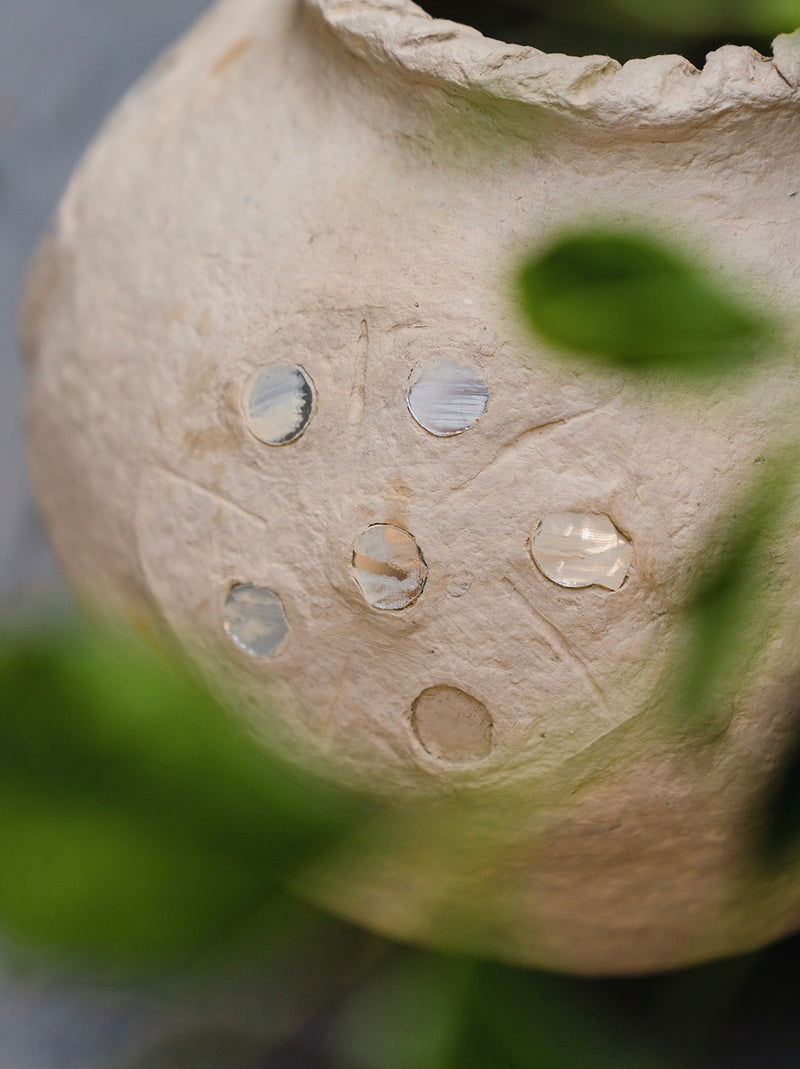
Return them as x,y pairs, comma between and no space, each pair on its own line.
410,1016
625,300
521,1019
706,17
778,842
426,1011
137,821
726,619
682,21
627,29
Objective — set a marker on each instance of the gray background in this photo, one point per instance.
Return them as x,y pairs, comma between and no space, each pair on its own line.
63,65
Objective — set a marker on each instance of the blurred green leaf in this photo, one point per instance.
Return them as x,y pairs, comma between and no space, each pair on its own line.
626,300
778,842
708,17
729,609
426,1011
138,822
107,884
627,29
518,1019
409,1016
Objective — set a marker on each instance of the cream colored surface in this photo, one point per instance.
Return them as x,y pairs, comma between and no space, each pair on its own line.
347,187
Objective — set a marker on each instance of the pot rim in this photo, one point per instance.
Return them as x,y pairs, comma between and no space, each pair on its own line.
643,92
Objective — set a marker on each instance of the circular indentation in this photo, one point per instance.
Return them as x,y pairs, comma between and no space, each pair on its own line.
388,567
447,399
255,619
452,725
278,403
577,549
459,583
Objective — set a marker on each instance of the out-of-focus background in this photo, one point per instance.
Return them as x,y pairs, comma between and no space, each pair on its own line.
63,65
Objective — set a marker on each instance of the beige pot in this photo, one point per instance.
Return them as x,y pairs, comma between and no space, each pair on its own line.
280,397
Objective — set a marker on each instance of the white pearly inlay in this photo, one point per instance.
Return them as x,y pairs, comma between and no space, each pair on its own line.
278,403
576,549
388,567
255,619
447,399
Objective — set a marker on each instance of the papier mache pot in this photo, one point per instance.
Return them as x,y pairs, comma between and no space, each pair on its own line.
282,403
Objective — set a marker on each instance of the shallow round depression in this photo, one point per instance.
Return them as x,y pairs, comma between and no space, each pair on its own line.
623,30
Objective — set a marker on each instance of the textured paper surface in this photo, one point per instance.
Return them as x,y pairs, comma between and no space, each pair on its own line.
349,191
